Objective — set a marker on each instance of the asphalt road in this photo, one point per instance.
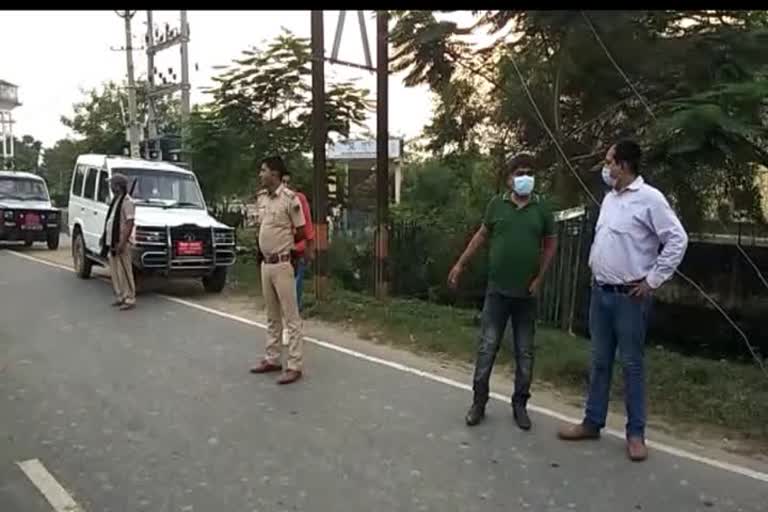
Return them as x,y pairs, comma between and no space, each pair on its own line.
154,410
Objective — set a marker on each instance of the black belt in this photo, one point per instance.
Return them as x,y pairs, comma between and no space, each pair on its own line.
623,289
271,259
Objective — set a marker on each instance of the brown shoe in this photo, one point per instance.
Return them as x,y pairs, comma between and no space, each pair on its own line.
577,432
117,303
636,449
289,377
266,367
127,306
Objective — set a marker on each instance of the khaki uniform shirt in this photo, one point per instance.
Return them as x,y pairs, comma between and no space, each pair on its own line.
277,215
127,212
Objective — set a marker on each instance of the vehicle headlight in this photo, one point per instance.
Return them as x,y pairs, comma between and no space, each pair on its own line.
149,235
8,214
53,216
224,236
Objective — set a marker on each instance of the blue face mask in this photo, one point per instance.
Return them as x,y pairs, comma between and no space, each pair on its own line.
523,185
607,178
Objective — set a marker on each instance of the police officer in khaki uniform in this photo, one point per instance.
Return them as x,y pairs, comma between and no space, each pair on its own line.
281,225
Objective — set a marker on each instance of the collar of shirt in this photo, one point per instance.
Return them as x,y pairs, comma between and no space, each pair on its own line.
277,192
508,197
633,187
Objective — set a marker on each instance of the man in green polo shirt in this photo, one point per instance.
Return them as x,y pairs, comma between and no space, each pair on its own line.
521,230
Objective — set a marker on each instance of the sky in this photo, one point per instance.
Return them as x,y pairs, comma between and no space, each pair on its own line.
55,55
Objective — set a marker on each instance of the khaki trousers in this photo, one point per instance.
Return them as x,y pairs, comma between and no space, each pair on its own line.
121,268
279,290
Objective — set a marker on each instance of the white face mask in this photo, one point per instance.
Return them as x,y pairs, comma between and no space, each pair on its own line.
607,178
523,185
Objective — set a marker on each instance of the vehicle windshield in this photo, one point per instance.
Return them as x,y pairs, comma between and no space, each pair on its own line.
23,189
165,189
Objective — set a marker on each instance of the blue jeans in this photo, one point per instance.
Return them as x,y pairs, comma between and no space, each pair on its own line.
301,266
497,311
617,320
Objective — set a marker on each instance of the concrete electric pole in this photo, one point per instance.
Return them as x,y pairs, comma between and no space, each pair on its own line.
158,41
133,123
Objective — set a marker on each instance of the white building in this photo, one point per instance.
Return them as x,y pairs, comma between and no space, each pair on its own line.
9,99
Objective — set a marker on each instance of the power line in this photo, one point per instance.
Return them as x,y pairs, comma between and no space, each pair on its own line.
651,113
540,118
570,166
712,301
653,116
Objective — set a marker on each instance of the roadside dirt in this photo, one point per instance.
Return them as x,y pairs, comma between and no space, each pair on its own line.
705,441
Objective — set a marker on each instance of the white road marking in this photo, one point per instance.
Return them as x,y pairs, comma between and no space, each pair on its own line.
678,452
56,495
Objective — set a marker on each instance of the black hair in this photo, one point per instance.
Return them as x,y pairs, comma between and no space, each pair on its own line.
519,161
628,152
276,164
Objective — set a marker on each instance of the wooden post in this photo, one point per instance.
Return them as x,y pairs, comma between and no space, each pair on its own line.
382,155
319,136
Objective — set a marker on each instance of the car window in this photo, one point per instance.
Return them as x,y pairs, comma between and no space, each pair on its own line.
90,184
103,192
23,189
77,182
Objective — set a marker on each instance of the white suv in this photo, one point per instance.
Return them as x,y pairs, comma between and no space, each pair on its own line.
174,236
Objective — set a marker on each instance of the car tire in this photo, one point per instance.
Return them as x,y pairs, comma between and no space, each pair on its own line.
216,282
82,264
28,242
53,240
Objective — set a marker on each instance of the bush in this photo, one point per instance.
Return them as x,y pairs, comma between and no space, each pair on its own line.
351,261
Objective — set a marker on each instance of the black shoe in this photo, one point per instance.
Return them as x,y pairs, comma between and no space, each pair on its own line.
521,417
475,415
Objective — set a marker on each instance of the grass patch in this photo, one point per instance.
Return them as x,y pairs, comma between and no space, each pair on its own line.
689,391
245,276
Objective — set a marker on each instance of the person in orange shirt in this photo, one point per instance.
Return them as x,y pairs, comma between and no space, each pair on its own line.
304,249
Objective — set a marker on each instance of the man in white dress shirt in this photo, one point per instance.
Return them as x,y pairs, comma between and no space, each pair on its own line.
639,243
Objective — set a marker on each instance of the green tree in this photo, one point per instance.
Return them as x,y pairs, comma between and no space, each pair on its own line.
101,118
261,105
702,73
59,162
27,154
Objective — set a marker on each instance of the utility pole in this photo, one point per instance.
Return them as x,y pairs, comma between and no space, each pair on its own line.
185,105
381,242
382,155
150,85
156,42
133,123
319,136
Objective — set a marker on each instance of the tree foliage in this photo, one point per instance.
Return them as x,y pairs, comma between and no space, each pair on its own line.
27,153
701,72
261,105
59,162
100,120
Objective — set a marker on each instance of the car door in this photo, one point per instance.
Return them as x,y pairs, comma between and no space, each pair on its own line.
92,228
